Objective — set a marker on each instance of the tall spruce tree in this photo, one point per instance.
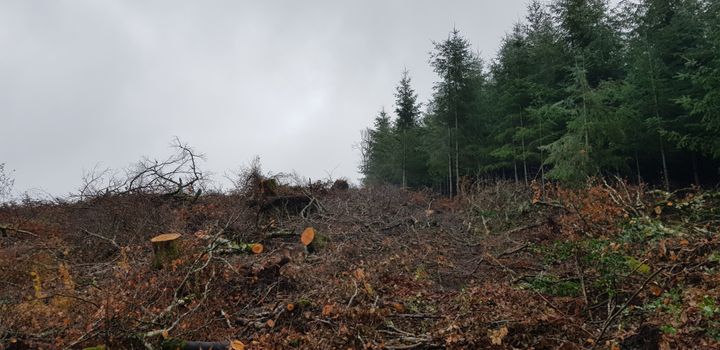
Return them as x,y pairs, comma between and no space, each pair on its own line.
455,96
381,156
702,102
407,110
573,92
593,38
665,31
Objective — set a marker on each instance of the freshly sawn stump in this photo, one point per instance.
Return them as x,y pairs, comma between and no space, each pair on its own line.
166,248
313,240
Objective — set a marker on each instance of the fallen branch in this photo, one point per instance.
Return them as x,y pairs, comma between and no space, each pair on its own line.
4,228
415,316
615,314
109,240
512,250
166,330
354,294
175,344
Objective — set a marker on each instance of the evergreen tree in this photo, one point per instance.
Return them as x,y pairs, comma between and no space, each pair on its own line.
550,55
381,147
592,37
455,97
510,89
570,95
665,31
703,101
407,110
595,133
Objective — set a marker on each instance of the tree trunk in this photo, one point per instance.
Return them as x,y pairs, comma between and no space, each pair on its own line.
522,141
656,99
404,160
666,178
457,155
455,137
542,165
637,168
450,174
696,174
166,249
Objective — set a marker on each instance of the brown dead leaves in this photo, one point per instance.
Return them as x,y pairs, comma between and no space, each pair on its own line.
497,335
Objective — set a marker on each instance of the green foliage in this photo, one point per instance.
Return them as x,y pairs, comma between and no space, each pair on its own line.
559,251
637,265
645,230
672,304
668,329
407,108
381,156
709,307
578,89
710,311
668,302
392,149
552,285
609,264
604,260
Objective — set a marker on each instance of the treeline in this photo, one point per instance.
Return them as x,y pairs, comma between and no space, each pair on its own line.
578,89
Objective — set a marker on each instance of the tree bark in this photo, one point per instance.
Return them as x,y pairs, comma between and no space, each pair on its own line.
524,158
696,174
457,155
637,168
656,99
666,178
166,249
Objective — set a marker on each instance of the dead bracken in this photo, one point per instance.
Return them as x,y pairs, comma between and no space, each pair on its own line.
498,267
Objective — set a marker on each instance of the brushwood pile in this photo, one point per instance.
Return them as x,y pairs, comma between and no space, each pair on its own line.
607,265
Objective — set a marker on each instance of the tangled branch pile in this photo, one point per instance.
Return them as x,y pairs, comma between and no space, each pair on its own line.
605,266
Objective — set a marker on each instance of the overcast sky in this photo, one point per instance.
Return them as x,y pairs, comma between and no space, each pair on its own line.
86,83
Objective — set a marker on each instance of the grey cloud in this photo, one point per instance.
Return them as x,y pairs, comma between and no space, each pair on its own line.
88,82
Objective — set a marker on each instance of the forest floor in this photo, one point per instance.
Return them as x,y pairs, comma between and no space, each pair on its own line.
607,266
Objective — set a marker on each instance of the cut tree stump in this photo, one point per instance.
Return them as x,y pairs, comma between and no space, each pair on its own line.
166,248
313,240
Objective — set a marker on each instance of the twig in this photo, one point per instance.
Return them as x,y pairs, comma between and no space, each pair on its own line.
513,250
579,326
111,241
157,332
4,228
227,319
354,294
87,334
582,280
404,347
415,316
624,305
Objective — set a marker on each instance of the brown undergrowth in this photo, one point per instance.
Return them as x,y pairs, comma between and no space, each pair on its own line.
608,265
